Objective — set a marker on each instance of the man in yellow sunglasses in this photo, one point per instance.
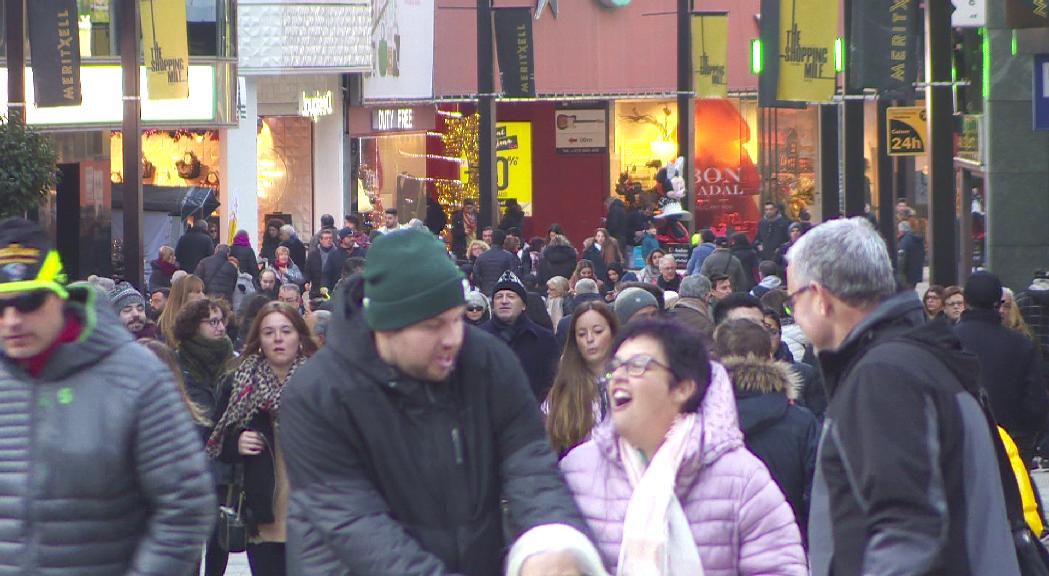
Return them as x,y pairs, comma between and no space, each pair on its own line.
101,471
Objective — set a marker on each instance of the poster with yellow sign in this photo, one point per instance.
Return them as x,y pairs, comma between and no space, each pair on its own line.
906,129
165,48
807,32
513,163
710,55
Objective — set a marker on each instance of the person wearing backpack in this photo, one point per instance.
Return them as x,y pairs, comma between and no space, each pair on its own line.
907,477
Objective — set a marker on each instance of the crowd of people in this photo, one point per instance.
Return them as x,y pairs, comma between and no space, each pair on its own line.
373,402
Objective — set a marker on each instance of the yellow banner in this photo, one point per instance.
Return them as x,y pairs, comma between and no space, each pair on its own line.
513,163
165,48
807,31
710,55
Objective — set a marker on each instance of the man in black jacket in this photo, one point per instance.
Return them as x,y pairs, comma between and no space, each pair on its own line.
772,232
907,478
491,265
399,465
534,345
1010,369
316,260
218,273
347,249
194,246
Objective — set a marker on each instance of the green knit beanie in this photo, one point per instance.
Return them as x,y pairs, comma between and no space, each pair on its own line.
409,278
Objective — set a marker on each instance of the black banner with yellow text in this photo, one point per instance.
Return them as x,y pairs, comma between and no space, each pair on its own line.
883,49
54,46
513,42
1027,13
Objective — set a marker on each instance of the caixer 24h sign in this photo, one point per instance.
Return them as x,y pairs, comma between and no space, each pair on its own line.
906,130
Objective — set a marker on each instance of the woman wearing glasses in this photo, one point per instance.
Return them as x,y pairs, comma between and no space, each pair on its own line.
203,350
477,310
666,484
277,345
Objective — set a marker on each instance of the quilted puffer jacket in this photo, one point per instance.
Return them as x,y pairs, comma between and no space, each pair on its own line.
101,471
739,519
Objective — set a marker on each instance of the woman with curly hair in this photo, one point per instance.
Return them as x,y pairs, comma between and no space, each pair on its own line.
277,345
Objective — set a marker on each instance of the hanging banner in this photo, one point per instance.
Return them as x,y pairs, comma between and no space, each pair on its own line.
807,31
513,42
54,46
710,54
165,49
1027,13
402,50
883,50
1040,96
906,129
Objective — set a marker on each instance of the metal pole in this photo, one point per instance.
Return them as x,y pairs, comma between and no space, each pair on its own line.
830,206
14,31
855,183
886,185
943,256
686,112
488,203
132,152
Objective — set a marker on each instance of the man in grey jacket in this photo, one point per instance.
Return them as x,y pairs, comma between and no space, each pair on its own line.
101,472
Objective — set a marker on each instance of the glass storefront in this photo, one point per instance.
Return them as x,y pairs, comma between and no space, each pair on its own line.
285,172
790,165
392,174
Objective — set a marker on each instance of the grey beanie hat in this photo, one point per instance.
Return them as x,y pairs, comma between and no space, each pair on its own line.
124,294
631,301
475,298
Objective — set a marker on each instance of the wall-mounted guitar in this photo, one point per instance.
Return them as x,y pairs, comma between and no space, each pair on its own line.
569,121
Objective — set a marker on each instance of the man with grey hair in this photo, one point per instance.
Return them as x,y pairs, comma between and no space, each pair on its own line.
318,323
296,249
907,480
693,305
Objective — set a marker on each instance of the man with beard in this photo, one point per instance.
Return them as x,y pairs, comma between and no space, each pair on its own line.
129,304
157,300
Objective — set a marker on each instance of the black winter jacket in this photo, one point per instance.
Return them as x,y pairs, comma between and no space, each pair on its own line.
748,259
333,267
910,258
391,475
535,347
771,235
490,266
556,261
297,251
783,435
102,472
1011,372
314,270
249,264
219,276
907,480
193,247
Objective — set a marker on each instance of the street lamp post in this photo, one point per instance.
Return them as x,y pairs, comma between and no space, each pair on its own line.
132,149
487,203
943,257
14,32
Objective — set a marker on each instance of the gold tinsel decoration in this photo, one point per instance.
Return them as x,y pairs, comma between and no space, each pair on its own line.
460,141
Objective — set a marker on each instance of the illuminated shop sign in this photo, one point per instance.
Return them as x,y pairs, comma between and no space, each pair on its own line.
317,104
393,119
103,100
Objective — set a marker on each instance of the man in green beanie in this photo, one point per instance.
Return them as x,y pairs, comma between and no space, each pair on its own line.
404,434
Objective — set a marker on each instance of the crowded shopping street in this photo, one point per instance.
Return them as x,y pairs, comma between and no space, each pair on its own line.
524,287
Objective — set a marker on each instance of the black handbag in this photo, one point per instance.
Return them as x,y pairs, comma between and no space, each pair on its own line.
232,529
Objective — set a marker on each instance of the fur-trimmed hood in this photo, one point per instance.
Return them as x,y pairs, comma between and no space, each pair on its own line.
759,376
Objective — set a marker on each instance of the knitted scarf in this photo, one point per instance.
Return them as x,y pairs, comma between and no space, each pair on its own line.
657,540
204,358
255,387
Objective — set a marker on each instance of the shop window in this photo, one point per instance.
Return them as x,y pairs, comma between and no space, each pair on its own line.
285,171
392,174
790,140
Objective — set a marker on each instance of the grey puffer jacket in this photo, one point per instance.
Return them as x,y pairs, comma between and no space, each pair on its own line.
101,471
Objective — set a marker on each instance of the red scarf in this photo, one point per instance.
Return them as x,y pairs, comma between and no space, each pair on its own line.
70,333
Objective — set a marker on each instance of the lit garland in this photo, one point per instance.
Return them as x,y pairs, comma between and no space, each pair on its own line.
460,141
455,159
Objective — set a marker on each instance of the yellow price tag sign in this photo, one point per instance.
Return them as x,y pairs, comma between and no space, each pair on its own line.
906,129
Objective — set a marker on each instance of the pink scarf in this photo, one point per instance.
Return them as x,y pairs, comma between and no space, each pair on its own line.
657,540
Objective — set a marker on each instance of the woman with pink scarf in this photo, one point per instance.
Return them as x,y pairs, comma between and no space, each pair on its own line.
666,484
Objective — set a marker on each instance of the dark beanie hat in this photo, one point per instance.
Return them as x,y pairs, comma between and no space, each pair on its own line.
409,278
510,281
983,290
124,294
27,260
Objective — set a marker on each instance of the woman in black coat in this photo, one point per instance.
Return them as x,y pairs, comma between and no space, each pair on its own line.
513,218
558,259
271,240
241,250
277,345
748,257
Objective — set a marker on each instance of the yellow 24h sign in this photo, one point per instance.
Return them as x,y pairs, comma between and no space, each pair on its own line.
906,130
